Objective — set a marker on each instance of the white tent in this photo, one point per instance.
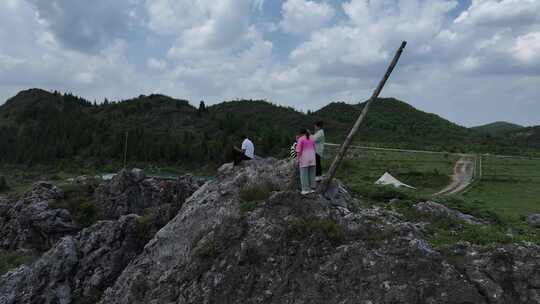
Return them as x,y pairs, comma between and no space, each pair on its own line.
388,179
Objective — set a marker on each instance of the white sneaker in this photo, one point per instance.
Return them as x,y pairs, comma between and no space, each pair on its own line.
311,191
318,179
305,192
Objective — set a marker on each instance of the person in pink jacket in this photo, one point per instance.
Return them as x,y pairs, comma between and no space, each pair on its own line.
305,151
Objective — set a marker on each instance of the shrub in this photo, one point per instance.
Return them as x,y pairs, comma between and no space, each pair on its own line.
207,250
3,184
13,259
78,201
256,192
301,228
386,193
145,228
247,206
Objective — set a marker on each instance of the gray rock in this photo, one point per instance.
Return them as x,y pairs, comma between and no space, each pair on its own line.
534,220
129,192
439,210
286,248
291,248
78,268
30,223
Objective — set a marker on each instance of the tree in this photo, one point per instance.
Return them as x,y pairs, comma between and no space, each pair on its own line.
202,108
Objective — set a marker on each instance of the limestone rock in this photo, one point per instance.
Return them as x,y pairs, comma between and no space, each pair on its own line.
534,220
439,210
30,223
78,268
290,248
131,192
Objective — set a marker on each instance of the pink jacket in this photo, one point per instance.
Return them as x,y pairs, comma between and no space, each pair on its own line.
305,150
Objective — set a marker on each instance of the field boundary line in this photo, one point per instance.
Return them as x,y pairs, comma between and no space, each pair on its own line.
435,152
400,150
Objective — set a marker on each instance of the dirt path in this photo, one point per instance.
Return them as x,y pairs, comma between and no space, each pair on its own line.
462,178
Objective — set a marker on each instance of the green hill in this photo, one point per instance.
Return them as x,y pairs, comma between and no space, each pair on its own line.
497,128
37,126
394,122
529,136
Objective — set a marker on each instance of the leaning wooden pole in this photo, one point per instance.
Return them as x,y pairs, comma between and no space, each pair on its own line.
345,146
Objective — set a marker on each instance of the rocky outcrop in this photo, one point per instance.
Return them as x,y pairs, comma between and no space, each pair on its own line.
225,247
439,210
290,249
507,274
78,268
30,222
131,192
534,220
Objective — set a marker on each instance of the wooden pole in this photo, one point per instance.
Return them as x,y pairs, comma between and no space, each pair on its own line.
125,149
345,146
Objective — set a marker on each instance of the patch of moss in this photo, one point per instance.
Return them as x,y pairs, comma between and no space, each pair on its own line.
207,250
300,228
78,201
13,259
256,192
3,184
246,206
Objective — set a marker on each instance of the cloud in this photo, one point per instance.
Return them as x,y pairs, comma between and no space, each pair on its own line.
84,26
304,16
471,64
527,48
156,64
500,12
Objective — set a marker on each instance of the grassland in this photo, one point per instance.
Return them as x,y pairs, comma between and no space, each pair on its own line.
428,173
508,190
510,186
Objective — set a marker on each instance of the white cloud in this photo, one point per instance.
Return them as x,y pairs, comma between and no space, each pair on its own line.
527,47
87,27
500,12
225,49
156,64
305,16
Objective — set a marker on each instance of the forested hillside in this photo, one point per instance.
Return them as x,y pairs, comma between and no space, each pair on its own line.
393,121
497,128
37,126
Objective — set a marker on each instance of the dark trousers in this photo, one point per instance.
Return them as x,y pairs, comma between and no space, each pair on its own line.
239,157
318,166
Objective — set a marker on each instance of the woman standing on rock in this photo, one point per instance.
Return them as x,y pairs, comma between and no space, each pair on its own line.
305,150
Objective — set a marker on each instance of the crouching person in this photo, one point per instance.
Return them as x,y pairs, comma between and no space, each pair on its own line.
246,152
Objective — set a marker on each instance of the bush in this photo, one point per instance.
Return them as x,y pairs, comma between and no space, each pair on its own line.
145,226
78,201
247,206
256,192
207,250
13,259
3,184
301,228
386,193
475,208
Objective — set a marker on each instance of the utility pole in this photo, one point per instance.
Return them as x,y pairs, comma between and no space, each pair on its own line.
345,146
125,149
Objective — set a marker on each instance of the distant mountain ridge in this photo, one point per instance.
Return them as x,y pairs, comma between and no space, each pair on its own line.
40,126
497,127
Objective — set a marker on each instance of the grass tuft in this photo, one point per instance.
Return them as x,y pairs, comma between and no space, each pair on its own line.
301,228
13,259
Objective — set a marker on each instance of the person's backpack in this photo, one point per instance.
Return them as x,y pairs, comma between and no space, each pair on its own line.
292,154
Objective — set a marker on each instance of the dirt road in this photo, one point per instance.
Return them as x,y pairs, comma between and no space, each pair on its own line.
462,178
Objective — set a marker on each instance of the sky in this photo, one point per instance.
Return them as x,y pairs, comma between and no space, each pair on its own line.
472,62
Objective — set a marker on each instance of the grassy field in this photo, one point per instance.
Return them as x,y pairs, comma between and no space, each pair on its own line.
510,186
428,173
509,190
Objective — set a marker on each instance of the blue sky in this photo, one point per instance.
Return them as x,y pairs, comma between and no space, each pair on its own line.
472,62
